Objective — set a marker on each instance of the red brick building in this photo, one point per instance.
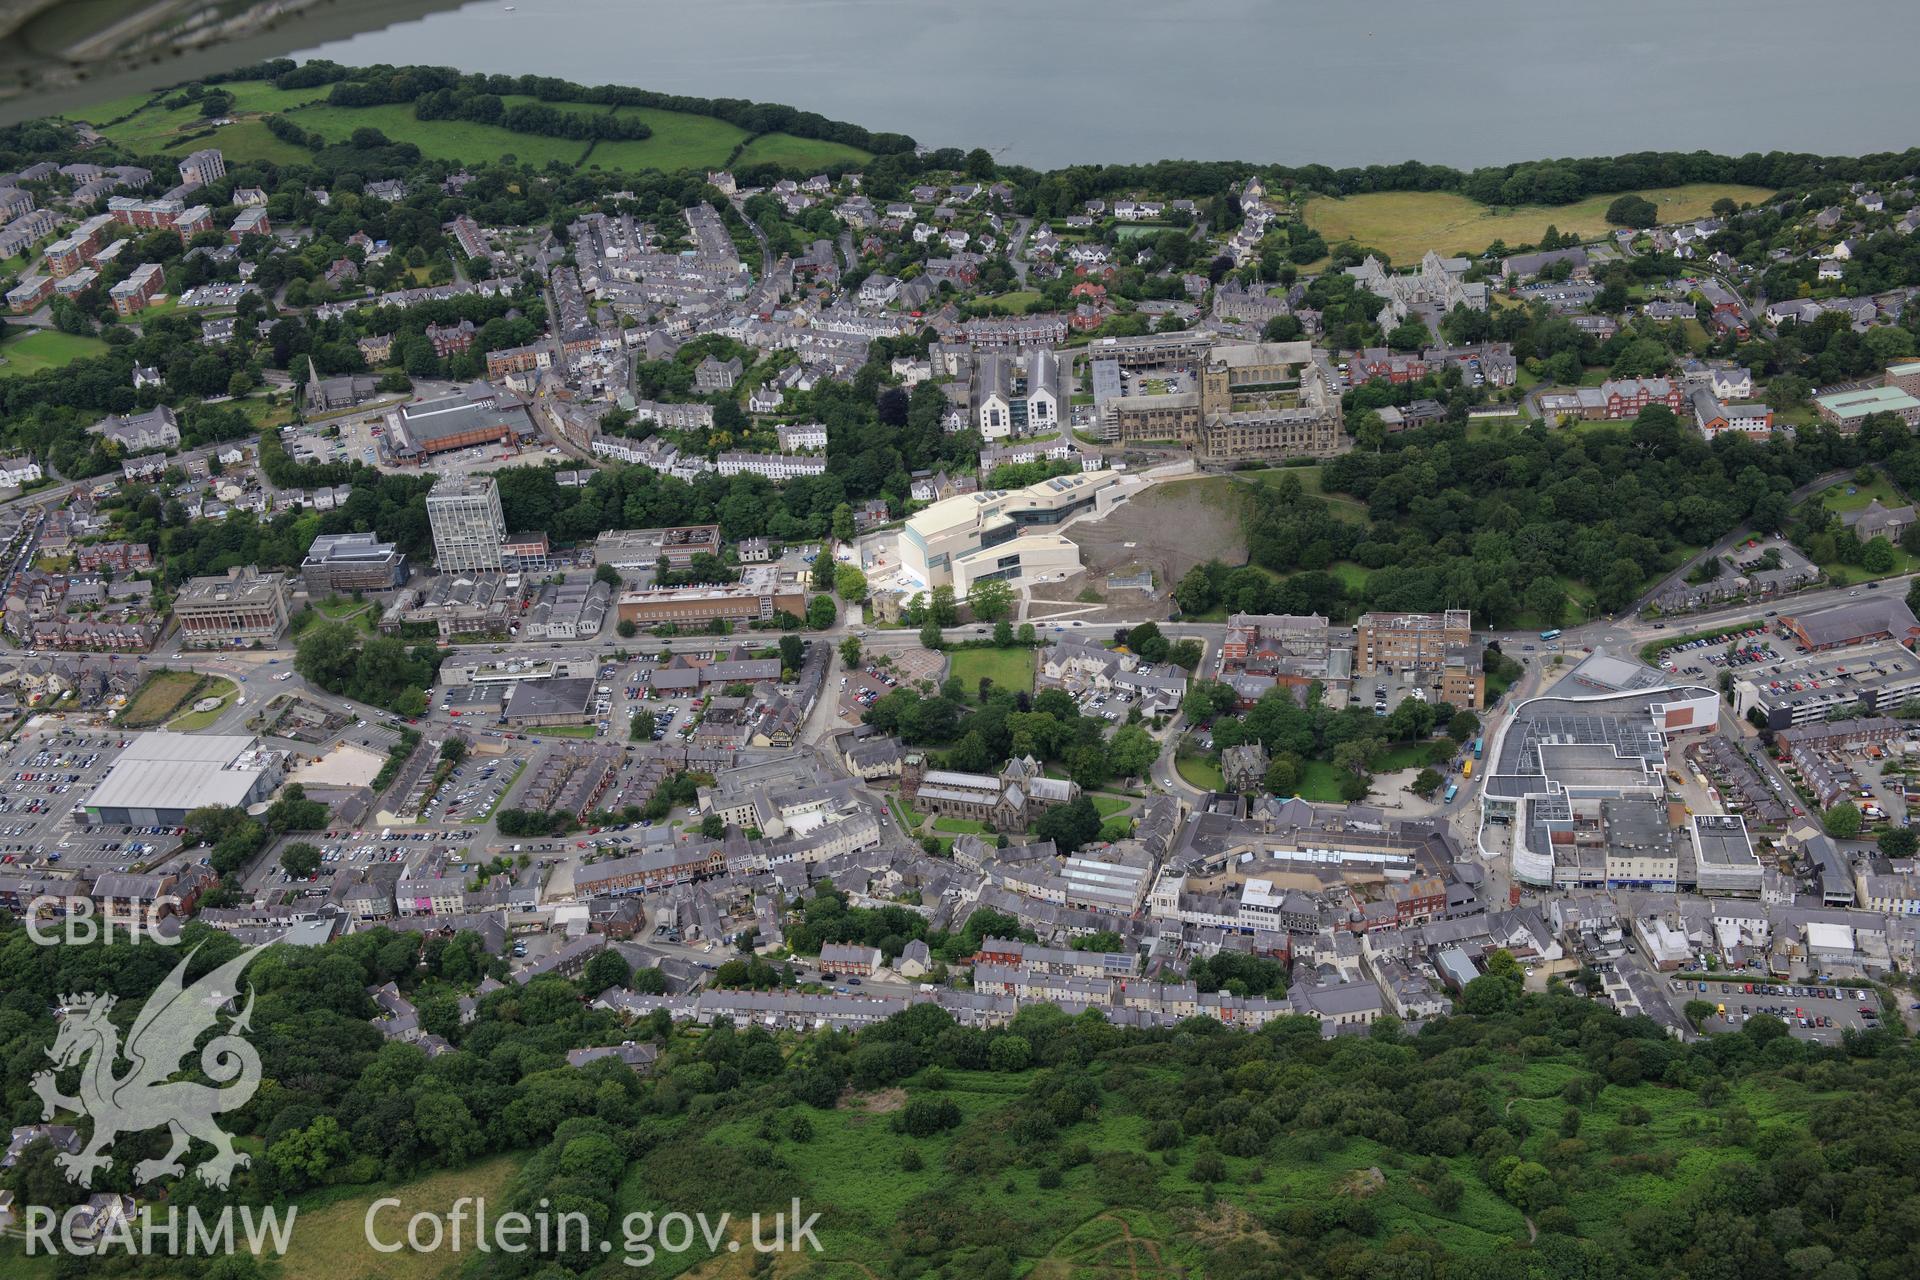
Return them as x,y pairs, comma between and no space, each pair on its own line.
1418,900
451,340
1626,397
998,951
848,958
1390,366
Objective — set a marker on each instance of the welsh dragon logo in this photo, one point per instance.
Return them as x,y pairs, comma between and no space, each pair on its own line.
146,1096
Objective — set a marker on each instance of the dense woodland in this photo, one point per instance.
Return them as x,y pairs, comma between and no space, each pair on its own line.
1533,182
1533,1136
1498,523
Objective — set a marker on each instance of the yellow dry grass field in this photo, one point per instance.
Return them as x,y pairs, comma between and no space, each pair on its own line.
1405,224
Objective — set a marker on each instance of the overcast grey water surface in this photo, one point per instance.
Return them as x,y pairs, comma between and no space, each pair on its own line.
1056,82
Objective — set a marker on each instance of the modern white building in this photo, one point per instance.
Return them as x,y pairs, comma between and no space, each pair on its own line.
774,466
468,527
802,435
1557,761
1007,534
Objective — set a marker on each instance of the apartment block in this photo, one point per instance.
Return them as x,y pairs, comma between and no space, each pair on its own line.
468,526
1433,643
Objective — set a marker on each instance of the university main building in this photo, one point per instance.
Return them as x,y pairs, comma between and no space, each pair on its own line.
1248,400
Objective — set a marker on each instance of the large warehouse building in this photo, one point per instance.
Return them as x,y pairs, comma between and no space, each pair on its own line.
564,700
481,415
162,777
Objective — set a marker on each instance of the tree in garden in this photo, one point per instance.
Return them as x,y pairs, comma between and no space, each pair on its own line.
1899,842
991,599
849,583
607,969
1283,776
1147,641
1132,752
1070,825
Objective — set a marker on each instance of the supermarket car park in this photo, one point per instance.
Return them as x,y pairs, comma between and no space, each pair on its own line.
1812,1012
43,777
1751,647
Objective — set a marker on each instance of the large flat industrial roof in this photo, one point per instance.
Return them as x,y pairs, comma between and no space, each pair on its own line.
178,771
1859,403
566,696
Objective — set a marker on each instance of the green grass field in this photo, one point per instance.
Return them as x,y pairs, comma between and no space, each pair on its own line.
158,697
1411,755
679,141
257,96
155,128
152,128
799,153
263,413
456,140
334,1229
360,614
1850,496
1007,668
1352,575
250,141
102,112
1405,224
1846,575
563,731
1320,782
1350,510
225,690
1013,303
1200,771
1109,805
37,350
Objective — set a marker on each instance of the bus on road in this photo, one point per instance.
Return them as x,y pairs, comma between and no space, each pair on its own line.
1479,748
1453,789
1466,770
1550,635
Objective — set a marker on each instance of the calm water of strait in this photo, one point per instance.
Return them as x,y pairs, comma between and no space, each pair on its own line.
1054,82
